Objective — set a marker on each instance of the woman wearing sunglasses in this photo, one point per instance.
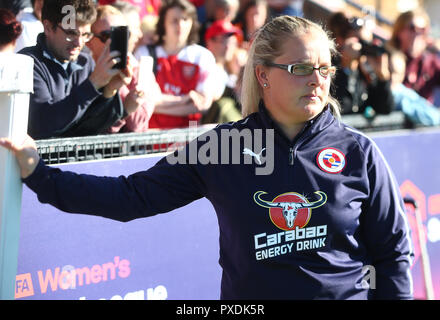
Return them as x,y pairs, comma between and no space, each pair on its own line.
138,97
328,212
410,35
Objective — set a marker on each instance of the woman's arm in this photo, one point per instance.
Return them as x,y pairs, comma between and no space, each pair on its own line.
162,188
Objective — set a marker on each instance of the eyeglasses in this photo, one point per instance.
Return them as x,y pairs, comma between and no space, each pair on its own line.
103,36
304,69
72,35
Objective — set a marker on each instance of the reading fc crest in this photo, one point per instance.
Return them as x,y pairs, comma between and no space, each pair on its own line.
331,160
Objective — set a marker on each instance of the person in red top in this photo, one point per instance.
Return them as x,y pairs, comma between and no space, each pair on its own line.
221,39
185,70
410,35
146,7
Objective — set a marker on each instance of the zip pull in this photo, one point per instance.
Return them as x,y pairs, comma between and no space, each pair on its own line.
291,156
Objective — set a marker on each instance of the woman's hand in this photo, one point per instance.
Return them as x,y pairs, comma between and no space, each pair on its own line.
26,154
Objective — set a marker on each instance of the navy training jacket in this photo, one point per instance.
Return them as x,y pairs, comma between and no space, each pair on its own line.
326,211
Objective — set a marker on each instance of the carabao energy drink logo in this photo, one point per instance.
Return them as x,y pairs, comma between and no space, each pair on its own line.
291,213
290,210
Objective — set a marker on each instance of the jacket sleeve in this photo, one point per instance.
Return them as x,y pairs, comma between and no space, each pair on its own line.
387,232
160,189
51,112
98,118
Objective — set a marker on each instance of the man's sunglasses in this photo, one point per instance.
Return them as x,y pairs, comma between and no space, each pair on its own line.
104,35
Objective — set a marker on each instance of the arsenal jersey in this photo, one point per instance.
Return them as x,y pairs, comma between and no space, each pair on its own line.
193,68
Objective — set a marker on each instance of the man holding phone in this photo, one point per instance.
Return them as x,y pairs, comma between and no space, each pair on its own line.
73,95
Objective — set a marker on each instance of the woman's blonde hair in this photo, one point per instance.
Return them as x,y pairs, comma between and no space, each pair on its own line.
266,46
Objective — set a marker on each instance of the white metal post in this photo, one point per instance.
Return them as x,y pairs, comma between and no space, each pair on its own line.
16,82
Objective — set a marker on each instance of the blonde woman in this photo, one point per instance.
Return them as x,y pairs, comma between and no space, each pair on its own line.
325,212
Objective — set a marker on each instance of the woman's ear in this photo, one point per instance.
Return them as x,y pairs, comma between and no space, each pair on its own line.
261,74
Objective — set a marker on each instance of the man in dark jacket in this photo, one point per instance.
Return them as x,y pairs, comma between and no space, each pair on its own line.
72,96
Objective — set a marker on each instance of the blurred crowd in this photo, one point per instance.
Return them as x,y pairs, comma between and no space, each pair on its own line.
185,59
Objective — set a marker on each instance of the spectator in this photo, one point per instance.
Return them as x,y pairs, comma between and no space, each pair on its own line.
146,7
133,21
201,10
184,69
72,96
410,35
415,107
222,9
133,99
148,27
252,17
10,30
30,19
15,6
221,40
362,83
218,10
133,96
285,7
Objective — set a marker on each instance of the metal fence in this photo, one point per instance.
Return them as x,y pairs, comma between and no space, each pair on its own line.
62,150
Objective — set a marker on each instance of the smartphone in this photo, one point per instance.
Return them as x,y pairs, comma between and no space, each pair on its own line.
120,43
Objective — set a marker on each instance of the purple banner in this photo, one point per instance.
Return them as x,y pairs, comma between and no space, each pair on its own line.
69,256
175,255
414,157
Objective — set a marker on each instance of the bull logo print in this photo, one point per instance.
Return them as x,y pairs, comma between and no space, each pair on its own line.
290,210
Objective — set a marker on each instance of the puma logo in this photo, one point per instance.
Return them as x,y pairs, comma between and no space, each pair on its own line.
251,153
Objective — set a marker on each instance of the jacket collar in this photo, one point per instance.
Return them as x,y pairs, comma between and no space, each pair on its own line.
312,127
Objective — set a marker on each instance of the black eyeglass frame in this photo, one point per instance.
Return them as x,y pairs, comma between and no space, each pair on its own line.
290,68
